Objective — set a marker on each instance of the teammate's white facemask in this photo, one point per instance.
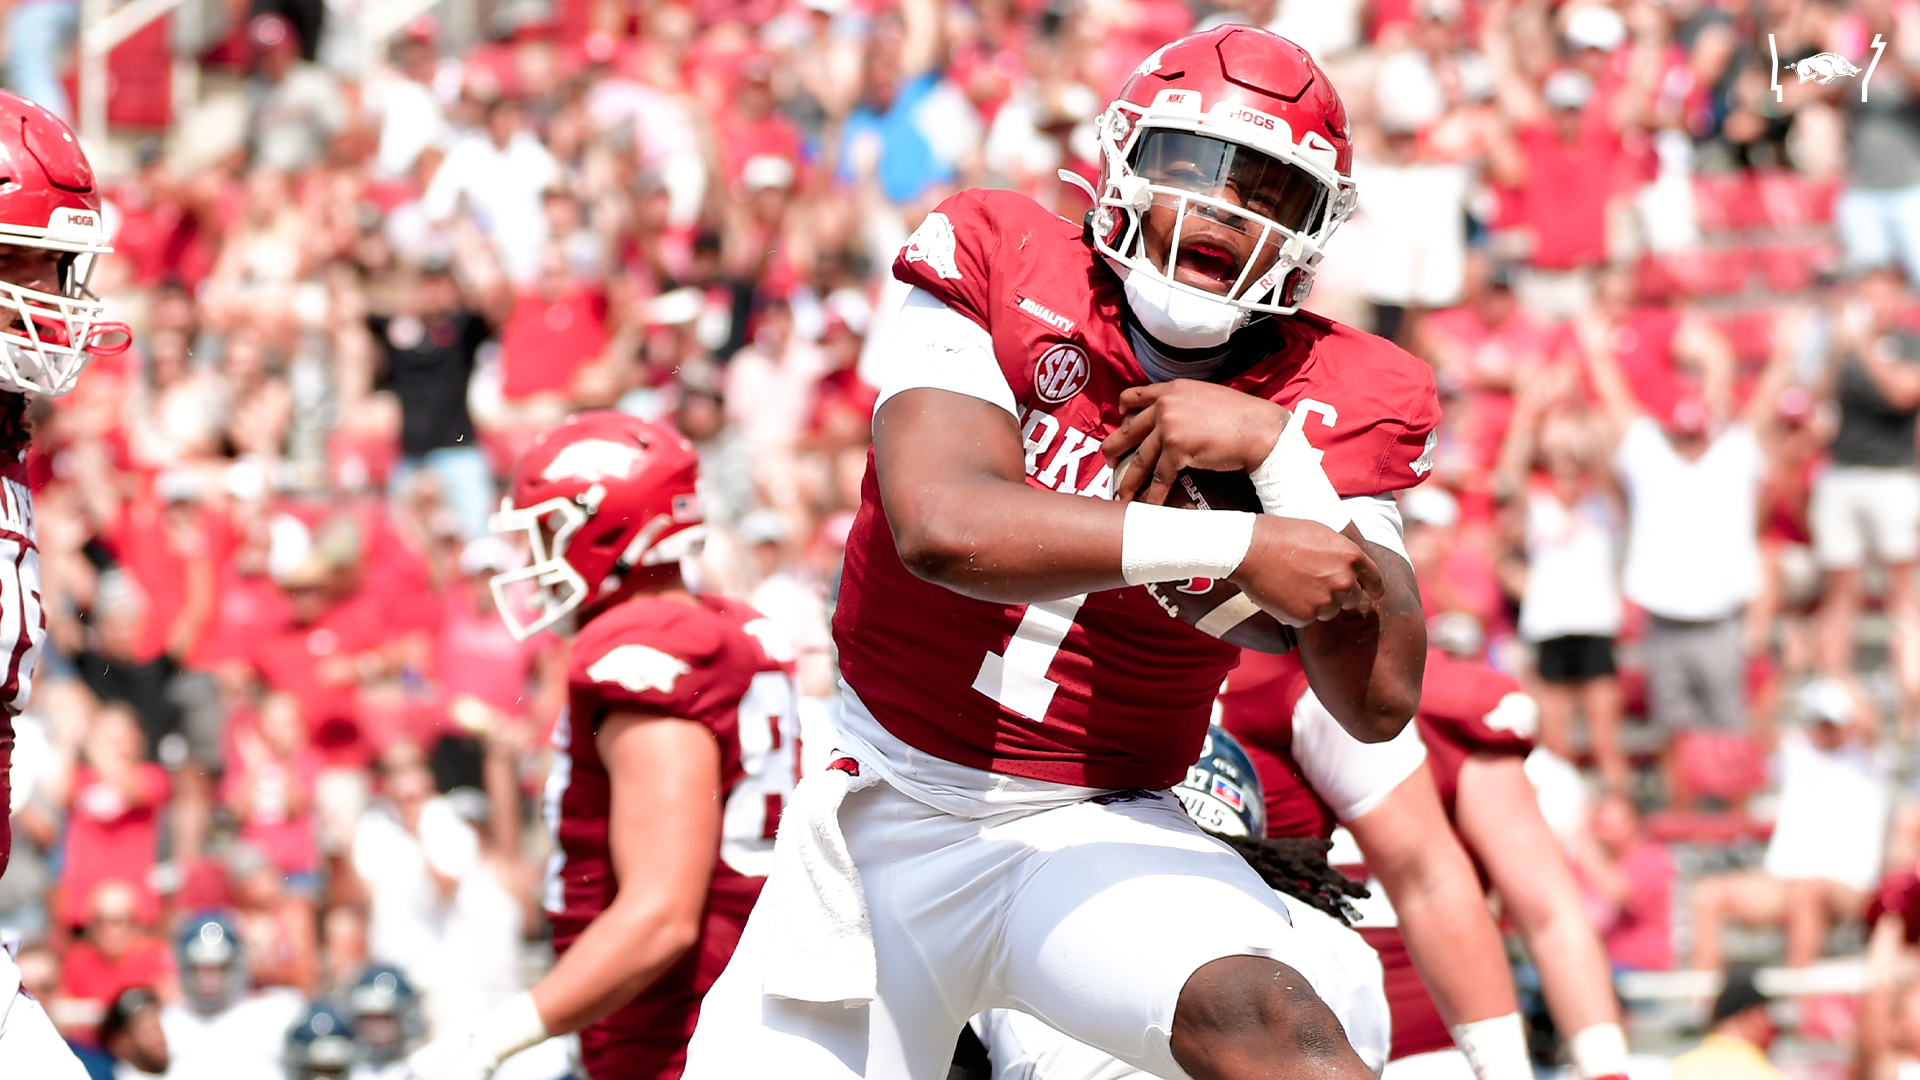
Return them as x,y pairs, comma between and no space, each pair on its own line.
1180,318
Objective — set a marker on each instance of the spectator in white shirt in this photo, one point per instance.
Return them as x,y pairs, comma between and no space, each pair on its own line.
1824,856
295,106
407,107
501,174
1693,557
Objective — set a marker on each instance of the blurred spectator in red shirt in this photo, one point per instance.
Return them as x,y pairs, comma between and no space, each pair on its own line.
477,662
752,128
1629,880
558,325
1478,349
114,955
331,640
269,790
114,805
277,928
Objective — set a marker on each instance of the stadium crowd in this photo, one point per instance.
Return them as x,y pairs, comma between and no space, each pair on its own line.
1676,488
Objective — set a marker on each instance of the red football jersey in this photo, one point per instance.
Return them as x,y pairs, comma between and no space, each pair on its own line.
720,664
23,624
1468,708
1102,689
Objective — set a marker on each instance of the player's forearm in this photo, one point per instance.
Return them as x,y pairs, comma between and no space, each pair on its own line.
1452,938
1574,973
619,955
1366,669
1009,543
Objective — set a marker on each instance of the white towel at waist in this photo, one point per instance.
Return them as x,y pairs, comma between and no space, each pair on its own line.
814,897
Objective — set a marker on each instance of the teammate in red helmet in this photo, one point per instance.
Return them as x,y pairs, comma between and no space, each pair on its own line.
50,326
671,765
995,828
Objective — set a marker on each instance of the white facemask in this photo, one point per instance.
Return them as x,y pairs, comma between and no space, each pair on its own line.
1180,318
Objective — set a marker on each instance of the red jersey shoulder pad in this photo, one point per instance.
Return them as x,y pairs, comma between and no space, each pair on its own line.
956,251
1475,709
655,656
1373,408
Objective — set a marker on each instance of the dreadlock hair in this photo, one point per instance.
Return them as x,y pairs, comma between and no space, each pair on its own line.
16,433
1298,867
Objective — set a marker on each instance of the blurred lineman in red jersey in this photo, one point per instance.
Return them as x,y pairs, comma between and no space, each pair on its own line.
672,763
51,232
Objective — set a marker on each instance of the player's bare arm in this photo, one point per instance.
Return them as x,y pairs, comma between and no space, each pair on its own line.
1436,894
664,830
951,470
1499,817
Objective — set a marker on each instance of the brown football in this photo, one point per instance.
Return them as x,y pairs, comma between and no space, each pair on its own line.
1215,605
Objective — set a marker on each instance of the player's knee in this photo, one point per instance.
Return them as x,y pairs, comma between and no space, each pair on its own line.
1248,1009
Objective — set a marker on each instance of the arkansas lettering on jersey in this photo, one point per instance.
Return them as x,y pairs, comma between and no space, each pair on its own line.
1101,689
1468,708
23,624
718,663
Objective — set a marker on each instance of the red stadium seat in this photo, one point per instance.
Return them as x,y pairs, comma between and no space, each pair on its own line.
1750,333
1725,202
1707,272
1789,200
1792,267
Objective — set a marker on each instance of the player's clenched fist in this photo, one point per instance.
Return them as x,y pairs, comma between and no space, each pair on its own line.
1301,572
1188,424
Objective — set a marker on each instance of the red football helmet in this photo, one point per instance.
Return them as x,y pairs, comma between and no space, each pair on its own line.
597,496
49,202
1232,108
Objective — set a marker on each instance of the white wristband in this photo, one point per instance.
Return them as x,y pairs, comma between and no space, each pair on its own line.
511,1027
1495,1047
1292,484
1165,543
1600,1050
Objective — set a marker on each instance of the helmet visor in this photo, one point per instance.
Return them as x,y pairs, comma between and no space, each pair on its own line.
1262,185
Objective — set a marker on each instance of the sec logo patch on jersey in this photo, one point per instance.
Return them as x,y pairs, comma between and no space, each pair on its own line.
1060,374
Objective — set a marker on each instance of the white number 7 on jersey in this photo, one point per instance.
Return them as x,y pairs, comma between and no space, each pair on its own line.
1018,679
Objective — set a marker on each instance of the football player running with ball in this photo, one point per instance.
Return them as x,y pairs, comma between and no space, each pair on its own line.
672,762
994,829
51,232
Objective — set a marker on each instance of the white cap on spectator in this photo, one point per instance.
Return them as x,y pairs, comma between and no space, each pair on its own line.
1567,89
1433,506
1826,701
764,171
1596,27
1407,95
763,527
289,547
677,307
851,306
827,7
176,485
486,553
